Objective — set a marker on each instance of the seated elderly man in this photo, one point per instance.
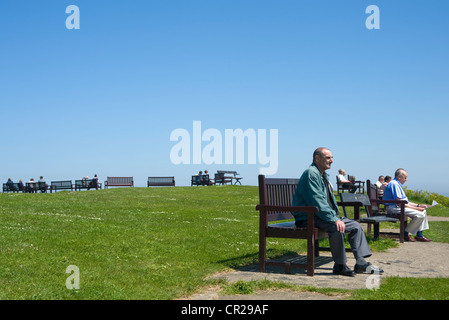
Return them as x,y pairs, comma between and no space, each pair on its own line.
314,189
417,212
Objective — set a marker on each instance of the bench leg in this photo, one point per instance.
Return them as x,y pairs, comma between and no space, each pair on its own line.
262,253
310,256
317,248
401,232
376,231
288,266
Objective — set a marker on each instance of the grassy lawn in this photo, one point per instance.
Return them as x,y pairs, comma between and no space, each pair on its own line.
395,288
135,243
130,243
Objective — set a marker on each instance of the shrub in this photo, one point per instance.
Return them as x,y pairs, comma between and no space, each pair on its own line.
427,197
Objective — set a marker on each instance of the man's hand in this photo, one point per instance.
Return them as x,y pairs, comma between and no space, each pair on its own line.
340,226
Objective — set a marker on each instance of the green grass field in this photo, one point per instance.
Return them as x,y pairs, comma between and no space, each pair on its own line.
130,243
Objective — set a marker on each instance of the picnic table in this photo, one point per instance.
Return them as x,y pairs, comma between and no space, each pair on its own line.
226,176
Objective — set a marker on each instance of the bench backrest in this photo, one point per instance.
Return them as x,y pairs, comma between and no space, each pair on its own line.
219,175
355,197
62,184
277,192
120,180
339,185
372,192
161,181
39,184
83,182
15,186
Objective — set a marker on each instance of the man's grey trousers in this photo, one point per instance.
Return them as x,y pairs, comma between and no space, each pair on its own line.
356,238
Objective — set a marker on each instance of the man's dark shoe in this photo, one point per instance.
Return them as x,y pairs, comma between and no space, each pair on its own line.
423,239
409,239
367,268
343,270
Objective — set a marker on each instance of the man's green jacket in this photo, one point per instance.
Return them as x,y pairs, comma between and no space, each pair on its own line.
311,191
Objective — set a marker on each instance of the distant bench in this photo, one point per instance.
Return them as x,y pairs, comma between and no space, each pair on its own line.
119,182
86,184
15,188
33,187
200,180
61,185
161,182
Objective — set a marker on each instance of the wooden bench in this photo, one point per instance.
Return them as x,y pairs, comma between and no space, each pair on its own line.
34,187
15,187
86,184
61,185
276,196
341,187
376,210
370,219
161,182
119,182
360,184
200,180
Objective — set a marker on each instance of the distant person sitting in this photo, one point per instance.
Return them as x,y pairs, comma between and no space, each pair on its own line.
381,184
205,179
10,185
346,184
417,212
94,183
42,186
31,186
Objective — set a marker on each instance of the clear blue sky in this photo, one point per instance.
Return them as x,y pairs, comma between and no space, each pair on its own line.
105,98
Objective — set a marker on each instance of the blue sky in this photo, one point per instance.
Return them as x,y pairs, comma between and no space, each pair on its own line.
105,98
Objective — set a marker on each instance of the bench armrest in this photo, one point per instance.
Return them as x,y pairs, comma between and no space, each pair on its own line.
263,220
350,204
263,207
381,201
